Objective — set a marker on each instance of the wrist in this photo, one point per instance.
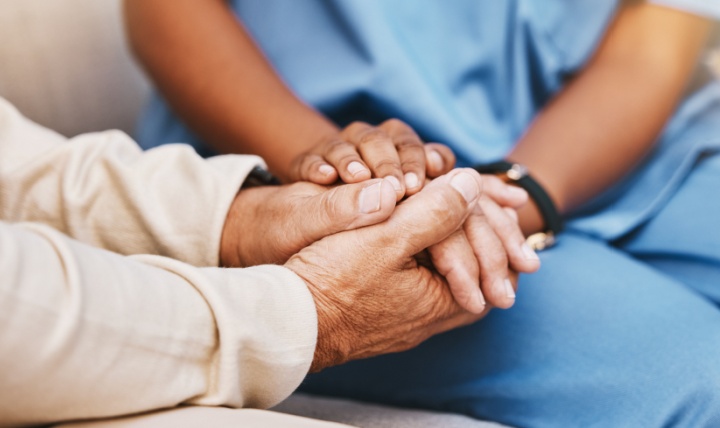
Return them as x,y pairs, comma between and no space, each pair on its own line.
237,240
330,348
229,242
541,219
233,250
530,219
332,345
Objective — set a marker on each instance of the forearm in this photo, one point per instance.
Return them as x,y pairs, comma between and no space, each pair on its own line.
607,119
217,80
103,190
85,333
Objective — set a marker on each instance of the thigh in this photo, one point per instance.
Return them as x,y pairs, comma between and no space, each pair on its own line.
682,240
595,338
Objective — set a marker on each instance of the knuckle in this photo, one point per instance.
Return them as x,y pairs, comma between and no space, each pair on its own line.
346,158
297,192
335,146
331,214
386,165
505,227
310,163
408,142
494,261
314,164
373,136
412,165
355,127
445,207
395,124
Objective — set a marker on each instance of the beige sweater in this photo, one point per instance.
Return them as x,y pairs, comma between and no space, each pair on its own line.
86,332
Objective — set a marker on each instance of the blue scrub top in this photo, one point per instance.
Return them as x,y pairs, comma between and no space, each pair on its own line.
471,74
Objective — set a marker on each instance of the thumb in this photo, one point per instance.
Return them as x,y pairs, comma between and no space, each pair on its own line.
434,213
347,207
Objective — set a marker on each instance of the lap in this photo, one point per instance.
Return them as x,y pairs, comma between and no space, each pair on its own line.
682,240
595,336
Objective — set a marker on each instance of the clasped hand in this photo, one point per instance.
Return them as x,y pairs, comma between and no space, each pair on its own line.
385,275
362,255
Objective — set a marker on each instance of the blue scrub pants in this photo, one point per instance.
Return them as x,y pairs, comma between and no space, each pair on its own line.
605,334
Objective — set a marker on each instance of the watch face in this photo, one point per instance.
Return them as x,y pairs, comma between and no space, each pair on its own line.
517,171
541,240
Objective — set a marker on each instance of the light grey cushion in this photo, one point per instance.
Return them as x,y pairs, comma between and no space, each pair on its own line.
64,64
373,415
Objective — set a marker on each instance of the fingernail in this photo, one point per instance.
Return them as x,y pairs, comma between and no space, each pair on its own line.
509,289
411,180
395,183
481,299
529,253
466,185
515,192
370,198
326,169
355,168
435,160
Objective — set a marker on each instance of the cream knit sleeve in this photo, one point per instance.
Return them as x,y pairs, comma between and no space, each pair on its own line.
101,189
86,333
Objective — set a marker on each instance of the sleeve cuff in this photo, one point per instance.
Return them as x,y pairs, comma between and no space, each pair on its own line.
267,332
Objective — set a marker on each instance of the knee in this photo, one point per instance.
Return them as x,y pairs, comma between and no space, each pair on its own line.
689,392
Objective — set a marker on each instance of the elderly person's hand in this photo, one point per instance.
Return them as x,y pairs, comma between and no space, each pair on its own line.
372,295
267,225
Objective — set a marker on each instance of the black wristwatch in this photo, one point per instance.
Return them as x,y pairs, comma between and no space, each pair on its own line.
259,176
518,174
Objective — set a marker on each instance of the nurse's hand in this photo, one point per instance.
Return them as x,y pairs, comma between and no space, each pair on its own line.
361,151
490,246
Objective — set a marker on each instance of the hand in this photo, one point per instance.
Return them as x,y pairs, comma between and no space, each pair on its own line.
490,246
360,151
267,225
372,295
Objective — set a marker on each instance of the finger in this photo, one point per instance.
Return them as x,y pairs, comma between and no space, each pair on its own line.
345,207
431,215
313,168
344,157
489,250
458,320
455,259
411,151
512,214
514,280
522,258
440,159
505,195
379,153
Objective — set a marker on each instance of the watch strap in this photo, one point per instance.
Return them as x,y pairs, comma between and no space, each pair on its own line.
519,175
259,176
